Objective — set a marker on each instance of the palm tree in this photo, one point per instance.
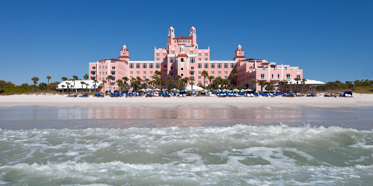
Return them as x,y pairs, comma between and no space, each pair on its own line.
103,82
82,83
109,78
95,81
286,85
204,74
296,86
281,84
233,76
253,83
64,78
35,80
68,86
48,77
262,84
303,83
74,79
192,82
63,86
120,84
85,76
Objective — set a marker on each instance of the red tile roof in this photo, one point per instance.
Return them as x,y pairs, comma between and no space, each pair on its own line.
182,37
182,55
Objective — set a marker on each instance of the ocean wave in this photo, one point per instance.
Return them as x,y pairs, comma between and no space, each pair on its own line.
235,155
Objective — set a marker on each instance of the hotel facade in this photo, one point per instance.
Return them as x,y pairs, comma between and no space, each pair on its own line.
183,57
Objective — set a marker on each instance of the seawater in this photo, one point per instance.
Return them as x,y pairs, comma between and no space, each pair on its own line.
237,155
85,146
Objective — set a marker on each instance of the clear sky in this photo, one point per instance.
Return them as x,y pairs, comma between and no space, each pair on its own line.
329,40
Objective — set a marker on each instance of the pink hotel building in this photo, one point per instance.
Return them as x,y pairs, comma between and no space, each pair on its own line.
183,57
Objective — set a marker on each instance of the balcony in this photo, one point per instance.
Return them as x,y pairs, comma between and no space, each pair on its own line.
192,70
113,75
93,70
112,81
113,69
192,75
93,75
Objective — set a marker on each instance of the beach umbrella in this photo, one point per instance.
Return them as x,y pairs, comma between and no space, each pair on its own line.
174,89
225,90
235,90
157,89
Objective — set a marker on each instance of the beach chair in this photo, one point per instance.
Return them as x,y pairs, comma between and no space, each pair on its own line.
84,96
311,95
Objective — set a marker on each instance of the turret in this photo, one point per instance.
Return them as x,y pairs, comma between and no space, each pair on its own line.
124,54
193,36
239,54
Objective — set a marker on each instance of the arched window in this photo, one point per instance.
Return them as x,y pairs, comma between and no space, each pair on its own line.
182,59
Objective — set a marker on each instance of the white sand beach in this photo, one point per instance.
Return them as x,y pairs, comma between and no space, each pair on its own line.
359,100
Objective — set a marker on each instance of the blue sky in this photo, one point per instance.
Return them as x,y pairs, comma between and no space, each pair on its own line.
329,40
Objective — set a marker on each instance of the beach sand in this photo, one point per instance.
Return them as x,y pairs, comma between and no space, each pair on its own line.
51,100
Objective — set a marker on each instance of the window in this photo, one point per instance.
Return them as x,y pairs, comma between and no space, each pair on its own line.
172,68
206,59
199,77
131,65
272,76
158,65
112,68
137,72
206,54
192,68
164,54
250,67
100,73
138,65
225,72
164,66
182,60
191,52
144,72
232,65
199,54
206,65
287,76
106,73
212,72
131,72
286,68
278,76
106,67
151,72
219,65
225,77
171,59
157,59
100,67
171,74
100,79
298,76
172,52
150,65
199,72
164,77
225,65
131,77
199,82
192,60
157,54
200,65
182,68
150,77
199,59
212,65
163,72
144,77
261,76
181,75
219,72
144,65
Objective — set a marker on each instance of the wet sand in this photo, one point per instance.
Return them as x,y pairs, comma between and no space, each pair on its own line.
359,100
